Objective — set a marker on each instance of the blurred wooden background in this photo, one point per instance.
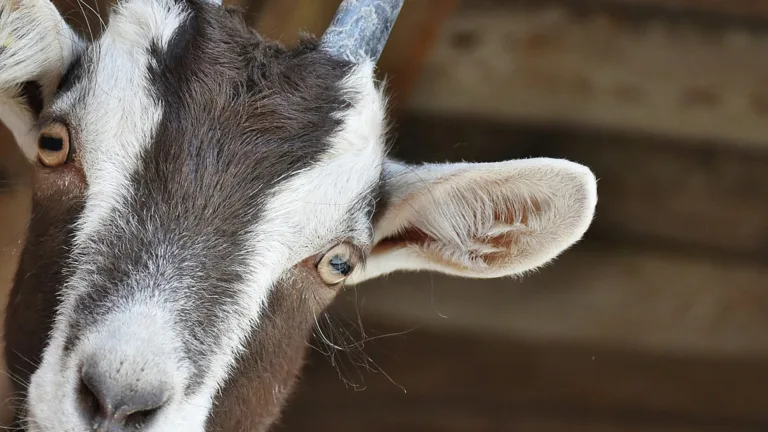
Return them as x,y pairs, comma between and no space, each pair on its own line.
658,321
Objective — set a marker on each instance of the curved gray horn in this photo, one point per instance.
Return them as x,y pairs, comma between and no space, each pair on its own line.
360,29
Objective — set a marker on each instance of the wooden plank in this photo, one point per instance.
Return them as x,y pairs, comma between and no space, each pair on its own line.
252,9
15,208
545,63
640,300
731,10
283,20
455,382
742,8
402,418
702,200
411,42
667,193
87,17
418,417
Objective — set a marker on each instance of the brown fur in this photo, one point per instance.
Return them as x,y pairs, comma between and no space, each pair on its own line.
266,375
56,200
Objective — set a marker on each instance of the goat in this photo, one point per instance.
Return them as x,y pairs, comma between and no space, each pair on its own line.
203,194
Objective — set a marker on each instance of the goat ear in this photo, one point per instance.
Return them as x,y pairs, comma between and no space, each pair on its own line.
479,220
36,45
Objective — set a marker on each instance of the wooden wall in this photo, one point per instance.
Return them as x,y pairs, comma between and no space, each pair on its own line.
657,321
15,207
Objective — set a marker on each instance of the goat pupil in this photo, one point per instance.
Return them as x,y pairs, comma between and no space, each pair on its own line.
51,144
340,265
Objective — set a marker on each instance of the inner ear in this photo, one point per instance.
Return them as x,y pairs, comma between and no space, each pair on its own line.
492,229
471,222
482,220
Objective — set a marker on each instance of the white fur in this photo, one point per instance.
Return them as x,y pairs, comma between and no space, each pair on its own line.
115,125
35,45
454,205
119,119
20,121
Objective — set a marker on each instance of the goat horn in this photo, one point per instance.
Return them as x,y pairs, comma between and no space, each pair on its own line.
360,29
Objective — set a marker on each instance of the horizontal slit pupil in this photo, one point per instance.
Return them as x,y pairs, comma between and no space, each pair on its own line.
340,265
51,144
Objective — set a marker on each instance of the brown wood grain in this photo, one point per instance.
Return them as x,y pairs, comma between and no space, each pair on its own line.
15,207
454,382
548,62
744,8
283,20
749,10
620,297
409,45
696,196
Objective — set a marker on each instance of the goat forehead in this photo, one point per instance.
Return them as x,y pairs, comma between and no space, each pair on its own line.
144,119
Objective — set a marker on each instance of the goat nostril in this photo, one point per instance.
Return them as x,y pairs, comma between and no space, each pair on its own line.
90,403
138,418
110,406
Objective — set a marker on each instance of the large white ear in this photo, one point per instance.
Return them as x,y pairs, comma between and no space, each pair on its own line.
479,220
36,45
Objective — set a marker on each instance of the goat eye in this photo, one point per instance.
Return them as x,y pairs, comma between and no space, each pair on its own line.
337,264
53,147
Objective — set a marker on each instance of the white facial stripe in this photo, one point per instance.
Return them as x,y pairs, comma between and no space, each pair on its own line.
113,140
310,211
119,115
115,116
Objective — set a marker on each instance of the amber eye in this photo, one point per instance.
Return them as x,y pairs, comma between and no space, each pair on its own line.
337,264
53,146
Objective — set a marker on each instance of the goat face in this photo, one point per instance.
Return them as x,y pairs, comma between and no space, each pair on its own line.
203,194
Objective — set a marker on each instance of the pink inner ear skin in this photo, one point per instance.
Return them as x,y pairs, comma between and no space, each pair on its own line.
494,249
512,222
408,237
